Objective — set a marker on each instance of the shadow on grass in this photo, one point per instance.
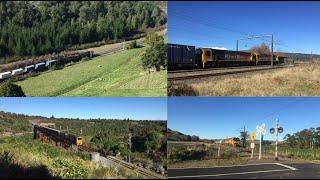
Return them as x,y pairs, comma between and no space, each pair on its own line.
11,170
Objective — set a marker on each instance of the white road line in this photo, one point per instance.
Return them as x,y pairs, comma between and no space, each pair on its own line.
215,175
227,166
286,166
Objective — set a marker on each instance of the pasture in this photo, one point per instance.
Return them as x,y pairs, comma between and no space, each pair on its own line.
118,74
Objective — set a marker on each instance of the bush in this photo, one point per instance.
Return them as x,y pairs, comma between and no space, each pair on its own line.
156,54
132,45
9,89
68,169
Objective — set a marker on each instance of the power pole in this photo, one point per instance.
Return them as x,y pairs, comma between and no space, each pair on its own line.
130,145
277,133
271,50
237,45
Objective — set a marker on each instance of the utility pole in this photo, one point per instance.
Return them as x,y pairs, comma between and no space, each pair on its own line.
219,148
271,50
130,145
237,45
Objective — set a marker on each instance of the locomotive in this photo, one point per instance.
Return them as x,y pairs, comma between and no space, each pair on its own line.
185,56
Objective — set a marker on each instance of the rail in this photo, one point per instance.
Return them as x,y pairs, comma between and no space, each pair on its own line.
143,171
221,72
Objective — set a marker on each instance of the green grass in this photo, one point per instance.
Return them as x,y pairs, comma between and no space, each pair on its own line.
119,74
301,153
32,158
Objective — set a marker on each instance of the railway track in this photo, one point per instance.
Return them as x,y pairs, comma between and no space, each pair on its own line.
221,72
210,69
145,172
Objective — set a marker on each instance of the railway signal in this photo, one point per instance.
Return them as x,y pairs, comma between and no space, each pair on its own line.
261,131
276,130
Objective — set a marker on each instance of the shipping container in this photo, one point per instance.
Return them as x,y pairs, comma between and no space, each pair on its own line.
28,68
17,71
40,66
50,63
5,75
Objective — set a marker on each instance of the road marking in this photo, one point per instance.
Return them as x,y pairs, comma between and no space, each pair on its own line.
215,175
289,167
227,166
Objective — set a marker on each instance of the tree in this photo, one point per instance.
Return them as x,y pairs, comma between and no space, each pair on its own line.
262,49
244,135
156,54
9,89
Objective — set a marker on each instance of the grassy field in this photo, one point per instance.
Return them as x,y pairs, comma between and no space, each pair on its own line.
301,80
33,159
119,74
197,154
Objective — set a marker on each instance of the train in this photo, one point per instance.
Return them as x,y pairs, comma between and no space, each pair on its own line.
40,64
186,56
49,134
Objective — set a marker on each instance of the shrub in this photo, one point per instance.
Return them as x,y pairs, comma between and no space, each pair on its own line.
9,89
132,45
156,54
68,169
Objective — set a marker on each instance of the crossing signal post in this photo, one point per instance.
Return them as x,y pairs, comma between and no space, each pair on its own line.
276,130
261,131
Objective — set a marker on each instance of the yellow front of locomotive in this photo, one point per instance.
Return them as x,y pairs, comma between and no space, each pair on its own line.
207,56
79,141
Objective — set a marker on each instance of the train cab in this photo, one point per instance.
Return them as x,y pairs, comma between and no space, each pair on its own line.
79,141
206,56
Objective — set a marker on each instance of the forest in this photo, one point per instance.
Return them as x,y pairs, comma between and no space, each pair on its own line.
32,28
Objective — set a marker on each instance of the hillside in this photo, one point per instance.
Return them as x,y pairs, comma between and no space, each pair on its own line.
119,74
23,157
104,135
33,28
178,136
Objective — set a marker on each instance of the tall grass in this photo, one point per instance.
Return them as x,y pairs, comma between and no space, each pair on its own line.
302,80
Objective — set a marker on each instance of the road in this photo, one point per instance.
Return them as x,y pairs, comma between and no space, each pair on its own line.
251,171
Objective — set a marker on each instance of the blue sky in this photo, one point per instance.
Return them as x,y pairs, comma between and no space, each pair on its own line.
133,108
222,117
219,24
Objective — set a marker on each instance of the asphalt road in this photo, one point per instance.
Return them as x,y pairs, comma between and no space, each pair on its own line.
253,171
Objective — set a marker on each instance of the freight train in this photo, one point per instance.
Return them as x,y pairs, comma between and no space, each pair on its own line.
48,134
40,64
185,56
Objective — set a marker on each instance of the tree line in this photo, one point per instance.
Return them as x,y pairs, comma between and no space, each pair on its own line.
36,28
307,138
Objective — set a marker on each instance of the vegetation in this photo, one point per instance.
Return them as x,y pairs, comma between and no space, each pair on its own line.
178,136
301,80
9,89
35,28
23,157
119,74
304,144
156,54
109,136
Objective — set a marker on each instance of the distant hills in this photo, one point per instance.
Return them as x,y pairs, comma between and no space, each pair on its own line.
301,56
178,136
